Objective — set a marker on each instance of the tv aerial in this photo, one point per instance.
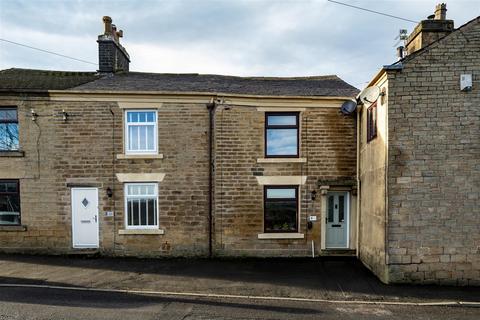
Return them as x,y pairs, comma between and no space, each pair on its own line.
402,36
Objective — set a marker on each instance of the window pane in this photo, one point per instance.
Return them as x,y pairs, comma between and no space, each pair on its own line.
141,189
150,138
280,193
131,190
150,189
136,212
129,212
143,138
282,120
11,187
151,116
280,216
281,142
8,115
9,209
133,138
132,116
152,212
341,213
8,136
330,208
143,212
140,116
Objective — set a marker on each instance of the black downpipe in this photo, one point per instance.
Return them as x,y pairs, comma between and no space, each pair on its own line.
211,106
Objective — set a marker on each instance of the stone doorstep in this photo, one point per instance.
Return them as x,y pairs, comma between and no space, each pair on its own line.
338,252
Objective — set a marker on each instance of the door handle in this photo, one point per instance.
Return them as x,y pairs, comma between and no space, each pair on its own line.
95,218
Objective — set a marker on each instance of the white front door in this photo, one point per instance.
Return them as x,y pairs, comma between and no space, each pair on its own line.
337,220
85,217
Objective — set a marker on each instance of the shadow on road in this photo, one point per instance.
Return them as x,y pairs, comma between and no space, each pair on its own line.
112,300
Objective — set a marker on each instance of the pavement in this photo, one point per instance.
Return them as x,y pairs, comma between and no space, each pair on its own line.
329,279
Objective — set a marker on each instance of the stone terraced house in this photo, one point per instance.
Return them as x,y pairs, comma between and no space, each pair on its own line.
151,165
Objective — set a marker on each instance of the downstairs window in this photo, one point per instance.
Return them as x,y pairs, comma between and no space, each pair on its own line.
281,209
9,202
141,205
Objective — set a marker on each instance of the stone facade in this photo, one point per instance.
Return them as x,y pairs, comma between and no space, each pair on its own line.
327,145
432,167
86,150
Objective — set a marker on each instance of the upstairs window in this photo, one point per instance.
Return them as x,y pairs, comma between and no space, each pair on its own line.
281,134
9,202
372,122
141,132
281,209
8,129
141,205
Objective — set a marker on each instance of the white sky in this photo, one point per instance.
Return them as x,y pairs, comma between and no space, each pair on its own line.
235,37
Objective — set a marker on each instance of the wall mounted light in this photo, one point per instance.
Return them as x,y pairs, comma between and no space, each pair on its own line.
33,114
314,195
109,192
64,115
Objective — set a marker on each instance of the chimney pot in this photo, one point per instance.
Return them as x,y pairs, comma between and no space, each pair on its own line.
441,11
108,25
112,56
400,52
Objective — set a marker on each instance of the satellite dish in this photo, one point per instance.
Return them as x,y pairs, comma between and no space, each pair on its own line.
370,94
348,107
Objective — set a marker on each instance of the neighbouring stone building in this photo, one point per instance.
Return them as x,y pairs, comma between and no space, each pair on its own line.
419,163
142,164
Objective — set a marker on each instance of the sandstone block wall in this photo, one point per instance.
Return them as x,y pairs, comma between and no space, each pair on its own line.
434,164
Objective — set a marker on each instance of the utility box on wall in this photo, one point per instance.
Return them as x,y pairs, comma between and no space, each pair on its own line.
466,82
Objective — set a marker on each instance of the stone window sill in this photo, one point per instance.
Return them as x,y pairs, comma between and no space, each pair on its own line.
141,231
7,228
12,154
281,236
139,156
281,160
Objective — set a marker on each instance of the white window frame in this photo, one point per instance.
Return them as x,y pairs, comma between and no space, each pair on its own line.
155,131
126,197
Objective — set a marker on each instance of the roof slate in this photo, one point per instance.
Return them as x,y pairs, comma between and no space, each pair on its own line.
27,79
298,86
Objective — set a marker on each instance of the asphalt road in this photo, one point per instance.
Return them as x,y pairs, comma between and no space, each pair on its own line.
53,304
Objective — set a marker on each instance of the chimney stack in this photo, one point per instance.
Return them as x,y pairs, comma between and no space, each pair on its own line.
112,56
430,30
